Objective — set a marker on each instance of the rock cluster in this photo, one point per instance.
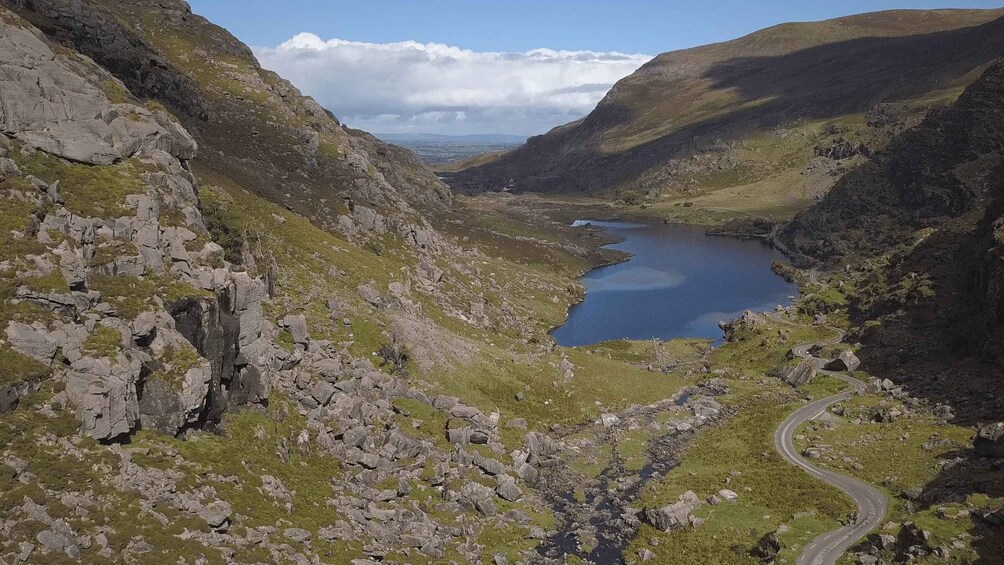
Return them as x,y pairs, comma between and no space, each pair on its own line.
989,441
142,376
799,374
676,515
736,329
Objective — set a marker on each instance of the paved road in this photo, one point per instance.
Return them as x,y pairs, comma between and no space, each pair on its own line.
872,503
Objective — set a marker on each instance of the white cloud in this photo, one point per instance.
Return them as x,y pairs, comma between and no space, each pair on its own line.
414,87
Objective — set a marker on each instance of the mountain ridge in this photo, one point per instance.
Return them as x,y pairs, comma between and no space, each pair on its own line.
723,92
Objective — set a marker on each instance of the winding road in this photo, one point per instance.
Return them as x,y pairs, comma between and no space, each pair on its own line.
827,548
871,503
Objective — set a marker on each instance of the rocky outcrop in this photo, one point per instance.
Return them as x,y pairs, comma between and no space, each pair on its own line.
737,329
57,105
104,392
12,393
989,441
51,106
846,361
32,340
680,514
799,374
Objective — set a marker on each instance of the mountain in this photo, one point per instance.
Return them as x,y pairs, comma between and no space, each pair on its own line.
749,118
232,330
290,150
918,224
909,243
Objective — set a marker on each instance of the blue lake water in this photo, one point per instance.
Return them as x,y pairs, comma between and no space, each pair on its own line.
678,283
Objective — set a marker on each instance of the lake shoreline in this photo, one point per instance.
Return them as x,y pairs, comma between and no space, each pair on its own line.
682,242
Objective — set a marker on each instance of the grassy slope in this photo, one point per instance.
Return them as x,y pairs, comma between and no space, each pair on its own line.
739,455
730,127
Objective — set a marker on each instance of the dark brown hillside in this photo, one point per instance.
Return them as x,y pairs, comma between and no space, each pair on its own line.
254,127
932,173
726,91
919,229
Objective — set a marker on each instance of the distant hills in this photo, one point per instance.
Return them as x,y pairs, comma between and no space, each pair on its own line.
450,151
435,137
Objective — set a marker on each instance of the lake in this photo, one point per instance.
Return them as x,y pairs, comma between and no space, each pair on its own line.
679,282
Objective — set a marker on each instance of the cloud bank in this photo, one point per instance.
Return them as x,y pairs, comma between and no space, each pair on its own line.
414,87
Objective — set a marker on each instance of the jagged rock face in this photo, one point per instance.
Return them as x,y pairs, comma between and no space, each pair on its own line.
51,106
105,395
57,109
929,204
989,440
295,153
800,374
213,332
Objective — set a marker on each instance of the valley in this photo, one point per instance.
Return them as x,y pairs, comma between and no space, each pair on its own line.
235,330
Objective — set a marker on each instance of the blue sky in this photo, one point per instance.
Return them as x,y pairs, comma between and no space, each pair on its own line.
472,66
636,26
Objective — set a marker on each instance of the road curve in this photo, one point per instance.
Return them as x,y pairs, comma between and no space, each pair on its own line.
872,503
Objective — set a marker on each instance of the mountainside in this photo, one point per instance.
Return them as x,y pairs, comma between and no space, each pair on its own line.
918,228
215,350
757,112
910,243
254,127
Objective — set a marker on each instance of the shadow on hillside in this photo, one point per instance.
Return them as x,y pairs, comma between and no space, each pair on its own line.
851,76
933,348
821,82
931,345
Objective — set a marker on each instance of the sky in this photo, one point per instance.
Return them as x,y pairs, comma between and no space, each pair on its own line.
490,66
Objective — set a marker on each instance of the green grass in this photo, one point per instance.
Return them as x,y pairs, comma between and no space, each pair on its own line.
494,379
632,447
893,457
889,450
91,191
643,352
239,453
739,455
104,342
16,368
53,282
27,435
174,364
15,215
107,254
116,93
131,296
770,490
